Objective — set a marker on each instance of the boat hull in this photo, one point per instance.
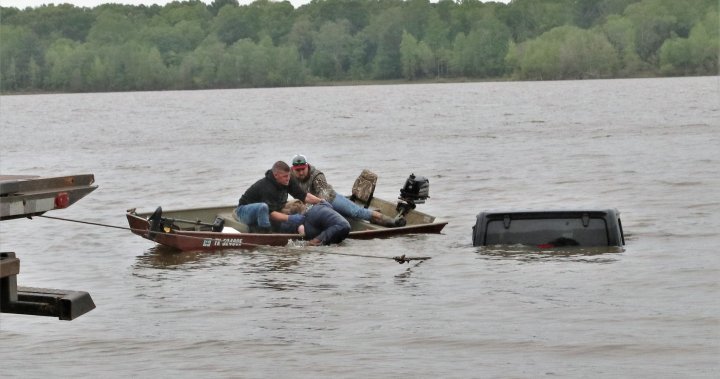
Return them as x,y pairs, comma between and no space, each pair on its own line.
206,240
196,235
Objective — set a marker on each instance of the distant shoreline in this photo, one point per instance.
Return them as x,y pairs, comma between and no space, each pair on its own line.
351,83
319,83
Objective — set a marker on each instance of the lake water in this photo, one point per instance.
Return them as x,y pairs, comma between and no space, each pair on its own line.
648,147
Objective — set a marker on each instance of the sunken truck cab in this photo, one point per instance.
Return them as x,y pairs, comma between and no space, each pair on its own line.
549,228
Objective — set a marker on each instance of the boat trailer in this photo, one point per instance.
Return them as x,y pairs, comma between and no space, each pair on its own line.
27,196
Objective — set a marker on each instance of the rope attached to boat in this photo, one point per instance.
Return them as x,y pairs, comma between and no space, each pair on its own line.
91,223
399,259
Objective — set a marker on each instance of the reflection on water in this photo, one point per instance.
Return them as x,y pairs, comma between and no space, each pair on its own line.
403,277
164,257
271,259
276,268
273,268
526,253
275,260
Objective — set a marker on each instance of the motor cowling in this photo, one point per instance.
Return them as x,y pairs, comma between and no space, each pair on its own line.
416,189
218,224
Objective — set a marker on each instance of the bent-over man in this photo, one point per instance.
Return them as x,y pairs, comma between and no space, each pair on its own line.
261,204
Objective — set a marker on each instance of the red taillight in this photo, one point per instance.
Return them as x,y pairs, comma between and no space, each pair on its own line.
62,200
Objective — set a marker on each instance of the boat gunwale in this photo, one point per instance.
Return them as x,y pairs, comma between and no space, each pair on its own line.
381,230
140,226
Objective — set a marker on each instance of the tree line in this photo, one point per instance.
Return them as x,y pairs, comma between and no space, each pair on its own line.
193,45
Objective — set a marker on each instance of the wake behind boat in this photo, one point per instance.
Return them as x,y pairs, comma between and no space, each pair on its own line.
215,228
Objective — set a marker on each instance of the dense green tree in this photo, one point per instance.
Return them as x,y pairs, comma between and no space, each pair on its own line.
657,20
54,21
138,15
275,18
528,19
589,13
199,68
301,36
215,6
189,44
173,42
287,69
465,14
99,76
416,15
437,32
322,11
437,39
228,73
176,12
247,64
260,62
65,61
11,13
482,52
388,35
19,47
652,23
709,49
144,67
236,23
361,56
566,52
112,28
333,49
621,34
408,56
35,74
416,58
695,55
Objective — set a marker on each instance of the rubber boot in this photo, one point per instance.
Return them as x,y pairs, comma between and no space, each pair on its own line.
380,219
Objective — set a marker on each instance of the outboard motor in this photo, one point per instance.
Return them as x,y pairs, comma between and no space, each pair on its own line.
155,223
218,224
415,191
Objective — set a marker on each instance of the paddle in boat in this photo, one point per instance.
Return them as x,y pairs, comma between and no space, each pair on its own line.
215,228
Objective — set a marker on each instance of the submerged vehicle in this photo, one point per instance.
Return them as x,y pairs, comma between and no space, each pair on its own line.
216,228
549,228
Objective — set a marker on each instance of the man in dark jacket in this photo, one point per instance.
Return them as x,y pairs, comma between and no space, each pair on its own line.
260,206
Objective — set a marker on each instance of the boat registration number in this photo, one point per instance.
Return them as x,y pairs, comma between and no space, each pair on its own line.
220,242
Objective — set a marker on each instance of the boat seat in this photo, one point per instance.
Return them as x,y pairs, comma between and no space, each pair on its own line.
232,222
364,187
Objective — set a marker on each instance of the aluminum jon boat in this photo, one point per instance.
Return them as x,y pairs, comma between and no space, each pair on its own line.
215,228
